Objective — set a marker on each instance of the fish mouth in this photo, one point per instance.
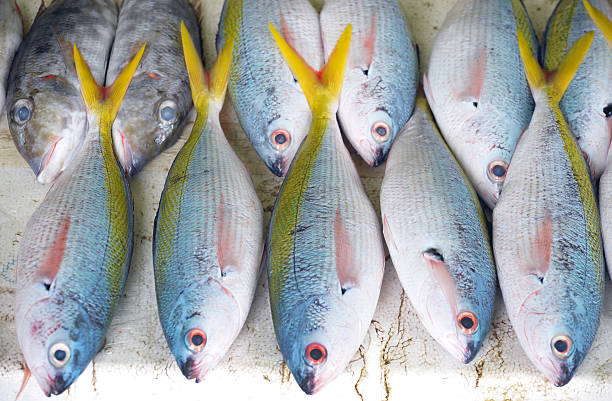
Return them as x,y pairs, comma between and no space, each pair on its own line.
463,353
370,154
50,167
279,166
52,385
193,369
309,383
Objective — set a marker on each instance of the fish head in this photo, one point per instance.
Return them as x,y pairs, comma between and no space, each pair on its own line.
320,342
57,339
48,126
204,323
151,118
369,124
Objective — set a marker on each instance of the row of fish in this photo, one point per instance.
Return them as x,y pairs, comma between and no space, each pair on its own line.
324,250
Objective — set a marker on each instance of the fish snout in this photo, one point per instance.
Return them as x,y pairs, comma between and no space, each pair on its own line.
279,166
58,385
193,368
309,383
469,352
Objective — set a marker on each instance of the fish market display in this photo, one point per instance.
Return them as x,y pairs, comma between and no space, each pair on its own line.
477,90
208,237
546,235
381,80
268,100
11,31
587,103
324,250
75,253
438,238
154,111
44,107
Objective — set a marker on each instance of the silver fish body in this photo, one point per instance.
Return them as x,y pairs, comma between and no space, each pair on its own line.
44,107
477,89
155,109
11,32
381,79
438,238
587,103
268,99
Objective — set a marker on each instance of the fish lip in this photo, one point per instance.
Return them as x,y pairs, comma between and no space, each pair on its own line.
58,385
44,163
279,166
371,155
469,352
193,369
309,384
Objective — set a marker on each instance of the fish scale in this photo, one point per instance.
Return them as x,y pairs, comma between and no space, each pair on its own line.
264,92
140,132
43,81
11,30
476,87
591,89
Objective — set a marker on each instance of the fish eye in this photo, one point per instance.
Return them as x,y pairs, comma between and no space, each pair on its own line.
59,354
607,110
498,170
22,111
316,353
195,340
166,112
468,322
381,131
561,346
280,139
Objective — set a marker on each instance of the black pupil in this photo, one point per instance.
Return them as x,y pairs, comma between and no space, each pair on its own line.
23,113
498,171
316,354
608,110
197,339
280,139
60,355
381,131
475,104
467,322
561,346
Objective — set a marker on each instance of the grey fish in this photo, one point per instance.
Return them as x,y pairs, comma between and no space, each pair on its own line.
154,111
45,110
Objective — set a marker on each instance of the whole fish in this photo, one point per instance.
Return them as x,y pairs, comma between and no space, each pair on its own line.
154,111
441,252
11,30
76,249
324,250
587,103
477,90
269,102
208,236
546,236
45,111
381,80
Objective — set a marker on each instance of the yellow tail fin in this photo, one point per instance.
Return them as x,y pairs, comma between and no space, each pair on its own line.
104,101
558,81
205,88
602,22
328,81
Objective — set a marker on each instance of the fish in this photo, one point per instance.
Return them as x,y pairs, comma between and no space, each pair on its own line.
157,104
546,233
477,90
208,236
268,100
11,33
45,111
75,253
380,84
587,103
441,252
324,252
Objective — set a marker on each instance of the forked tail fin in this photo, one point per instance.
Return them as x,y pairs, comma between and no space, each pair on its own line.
557,81
322,88
602,22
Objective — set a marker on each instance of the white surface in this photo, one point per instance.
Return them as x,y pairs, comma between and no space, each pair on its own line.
398,359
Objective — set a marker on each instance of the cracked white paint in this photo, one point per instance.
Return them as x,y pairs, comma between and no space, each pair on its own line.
402,362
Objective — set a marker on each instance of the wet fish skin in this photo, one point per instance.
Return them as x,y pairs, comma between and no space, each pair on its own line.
141,131
11,32
208,236
45,111
441,252
589,95
546,234
324,249
381,80
76,249
477,90
267,98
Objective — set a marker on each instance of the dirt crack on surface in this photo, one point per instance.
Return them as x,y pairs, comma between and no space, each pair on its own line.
363,373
